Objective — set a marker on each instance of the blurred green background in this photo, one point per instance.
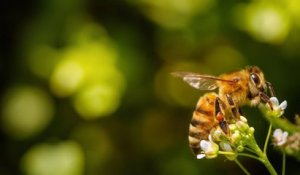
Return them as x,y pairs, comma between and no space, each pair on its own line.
86,89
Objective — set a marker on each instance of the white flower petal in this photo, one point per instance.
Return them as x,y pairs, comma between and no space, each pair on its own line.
274,101
200,156
285,134
205,145
283,105
277,133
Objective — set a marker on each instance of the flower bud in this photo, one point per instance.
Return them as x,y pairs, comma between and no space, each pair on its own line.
216,134
242,126
240,148
232,127
251,131
243,119
235,137
225,146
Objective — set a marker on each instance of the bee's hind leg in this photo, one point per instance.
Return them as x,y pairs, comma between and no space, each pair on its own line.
220,116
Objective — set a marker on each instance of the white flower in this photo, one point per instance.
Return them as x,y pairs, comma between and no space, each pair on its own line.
278,107
280,137
209,149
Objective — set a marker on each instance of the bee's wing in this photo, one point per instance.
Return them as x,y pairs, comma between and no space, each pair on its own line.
198,81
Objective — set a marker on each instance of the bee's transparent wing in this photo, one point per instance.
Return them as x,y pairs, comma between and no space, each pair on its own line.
201,82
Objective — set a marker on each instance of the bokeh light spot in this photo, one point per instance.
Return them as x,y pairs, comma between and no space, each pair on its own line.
293,7
174,14
264,21
67,77
65,158
26,111
88,73
96,100
224,59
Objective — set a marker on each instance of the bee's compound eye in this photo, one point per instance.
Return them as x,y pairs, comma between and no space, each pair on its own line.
255,79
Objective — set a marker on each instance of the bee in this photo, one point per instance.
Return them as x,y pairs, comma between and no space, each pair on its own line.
243,87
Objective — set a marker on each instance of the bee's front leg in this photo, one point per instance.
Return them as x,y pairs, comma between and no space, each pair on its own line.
266,99
271,89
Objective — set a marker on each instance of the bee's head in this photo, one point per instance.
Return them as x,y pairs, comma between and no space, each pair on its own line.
257,81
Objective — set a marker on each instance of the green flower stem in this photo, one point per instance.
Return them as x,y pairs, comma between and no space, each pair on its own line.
283,162
250,156
226,153
267,138
267,163
250,150
242,167
283,123
277,121
262,156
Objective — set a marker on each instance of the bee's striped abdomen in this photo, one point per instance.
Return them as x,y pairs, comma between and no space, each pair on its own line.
203,121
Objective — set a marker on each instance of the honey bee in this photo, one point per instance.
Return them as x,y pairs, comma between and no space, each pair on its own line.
244,87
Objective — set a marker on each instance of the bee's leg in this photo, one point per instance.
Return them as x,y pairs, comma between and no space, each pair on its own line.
217,106
240,111
271,89
266,99
234,109
224,126
220,116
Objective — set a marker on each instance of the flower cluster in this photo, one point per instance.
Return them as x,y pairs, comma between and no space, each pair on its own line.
241,133
229,144
290,144
239,137
293,144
